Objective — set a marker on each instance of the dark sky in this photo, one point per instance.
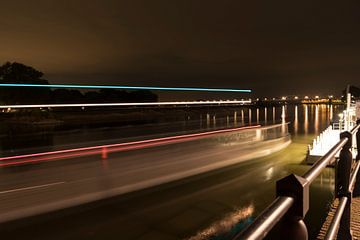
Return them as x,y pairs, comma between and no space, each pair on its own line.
273,47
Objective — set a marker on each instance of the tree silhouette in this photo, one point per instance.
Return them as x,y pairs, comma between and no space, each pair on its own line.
20,73
66,96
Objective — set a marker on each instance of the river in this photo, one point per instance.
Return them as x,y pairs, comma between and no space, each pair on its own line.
204,205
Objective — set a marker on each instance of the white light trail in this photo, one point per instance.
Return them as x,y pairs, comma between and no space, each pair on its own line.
124,104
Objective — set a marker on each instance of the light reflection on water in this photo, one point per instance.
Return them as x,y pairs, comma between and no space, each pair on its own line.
224,225
250,116
242,117
265,115
296,120
306,119
316,121
300,116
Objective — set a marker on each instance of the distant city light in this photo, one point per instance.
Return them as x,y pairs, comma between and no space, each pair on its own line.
283,98
331,96
306,97
296,97
317,97
125,87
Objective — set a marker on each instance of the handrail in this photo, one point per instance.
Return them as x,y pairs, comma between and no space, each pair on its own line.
331,234
355,129
268,219
293,194
320,164
334,225
353,176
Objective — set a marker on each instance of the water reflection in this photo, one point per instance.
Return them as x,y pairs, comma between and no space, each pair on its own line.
296,120
311,119
242,117
225,225
265,115
283,119
306,119
331,112
250,121
325,180
235,118
283,114
274,114
316,122
269,173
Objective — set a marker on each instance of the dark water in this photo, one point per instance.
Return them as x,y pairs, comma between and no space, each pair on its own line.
193,206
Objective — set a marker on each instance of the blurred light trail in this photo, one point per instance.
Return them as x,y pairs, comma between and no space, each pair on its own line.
32,187
125,104
125,87
78,152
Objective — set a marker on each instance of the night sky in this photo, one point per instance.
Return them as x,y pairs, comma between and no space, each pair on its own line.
272,47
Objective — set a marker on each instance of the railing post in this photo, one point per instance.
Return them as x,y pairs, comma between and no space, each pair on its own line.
292,225
343,171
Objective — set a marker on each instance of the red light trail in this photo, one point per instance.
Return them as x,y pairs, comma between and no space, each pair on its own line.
94,150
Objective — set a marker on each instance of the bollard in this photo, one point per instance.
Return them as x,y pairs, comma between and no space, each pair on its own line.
343,171
292,225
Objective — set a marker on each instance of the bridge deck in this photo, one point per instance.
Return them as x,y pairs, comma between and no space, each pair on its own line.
355,214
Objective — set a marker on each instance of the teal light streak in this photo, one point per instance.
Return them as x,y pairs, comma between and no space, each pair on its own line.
124,87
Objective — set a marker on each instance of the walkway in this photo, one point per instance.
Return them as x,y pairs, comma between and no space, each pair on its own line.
355,214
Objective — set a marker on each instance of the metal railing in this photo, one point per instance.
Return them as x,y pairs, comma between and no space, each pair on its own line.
292,201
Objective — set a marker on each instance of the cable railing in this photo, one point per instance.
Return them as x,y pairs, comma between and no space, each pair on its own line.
292,201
